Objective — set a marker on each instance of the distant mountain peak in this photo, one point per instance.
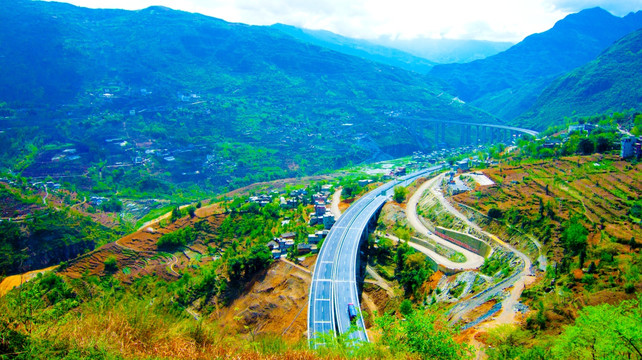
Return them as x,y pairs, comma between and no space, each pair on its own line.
507,84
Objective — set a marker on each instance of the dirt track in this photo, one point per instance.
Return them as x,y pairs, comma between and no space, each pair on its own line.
13,281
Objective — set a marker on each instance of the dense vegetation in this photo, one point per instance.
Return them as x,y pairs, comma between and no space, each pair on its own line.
44,236
160,103
610,83
508,83
145,101
572,194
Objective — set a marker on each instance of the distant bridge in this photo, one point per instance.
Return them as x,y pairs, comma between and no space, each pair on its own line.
484,132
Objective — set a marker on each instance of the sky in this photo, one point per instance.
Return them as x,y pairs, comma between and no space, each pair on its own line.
495,20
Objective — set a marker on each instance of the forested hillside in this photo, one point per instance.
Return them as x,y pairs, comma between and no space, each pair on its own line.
612,82
160,97
508,83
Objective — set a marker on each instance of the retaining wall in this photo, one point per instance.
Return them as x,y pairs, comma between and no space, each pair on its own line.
466,241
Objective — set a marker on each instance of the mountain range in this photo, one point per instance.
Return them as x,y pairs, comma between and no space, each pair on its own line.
360,48
250,99
611,82
418,55
446,51
508,83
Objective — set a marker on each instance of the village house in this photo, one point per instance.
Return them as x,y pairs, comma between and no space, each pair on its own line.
463,164
288,235
630,147
320,210
326,189
328,220
303,248
455,185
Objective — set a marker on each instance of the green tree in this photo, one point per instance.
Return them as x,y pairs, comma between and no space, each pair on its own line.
424,333
191,210
506,342
495,213
400,193
406,307
384,248
176,214
413,271
586,146
350,190
603,332
177,238
602,143
574,237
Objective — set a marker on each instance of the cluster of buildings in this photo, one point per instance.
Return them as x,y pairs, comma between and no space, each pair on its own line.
97,200
262,199
67,154
296,197
281,245
399,171
47,184
582,127
322,214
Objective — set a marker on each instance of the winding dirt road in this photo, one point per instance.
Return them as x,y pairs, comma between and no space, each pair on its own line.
517,281
473,261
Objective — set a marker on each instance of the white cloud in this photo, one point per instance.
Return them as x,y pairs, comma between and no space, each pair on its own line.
616,7
501,20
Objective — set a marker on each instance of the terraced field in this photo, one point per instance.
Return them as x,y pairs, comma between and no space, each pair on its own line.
599,189
137,254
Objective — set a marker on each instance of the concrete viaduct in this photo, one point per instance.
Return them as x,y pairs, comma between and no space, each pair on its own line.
483,133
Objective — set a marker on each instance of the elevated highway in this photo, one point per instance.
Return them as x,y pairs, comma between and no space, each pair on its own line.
334,280
483,132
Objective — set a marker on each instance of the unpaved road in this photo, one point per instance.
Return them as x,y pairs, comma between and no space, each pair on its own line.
473,261
336,199
13,281
516,279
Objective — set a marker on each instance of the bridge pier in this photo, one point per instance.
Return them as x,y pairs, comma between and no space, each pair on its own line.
468,131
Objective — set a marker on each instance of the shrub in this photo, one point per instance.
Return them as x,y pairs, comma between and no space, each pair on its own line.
495,213
111,264
177,238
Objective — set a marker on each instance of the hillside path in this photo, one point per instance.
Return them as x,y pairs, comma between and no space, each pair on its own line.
13,281
380,281
336,199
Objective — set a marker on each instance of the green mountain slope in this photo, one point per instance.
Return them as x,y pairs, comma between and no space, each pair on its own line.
193,99
508,83
612,82
360,48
